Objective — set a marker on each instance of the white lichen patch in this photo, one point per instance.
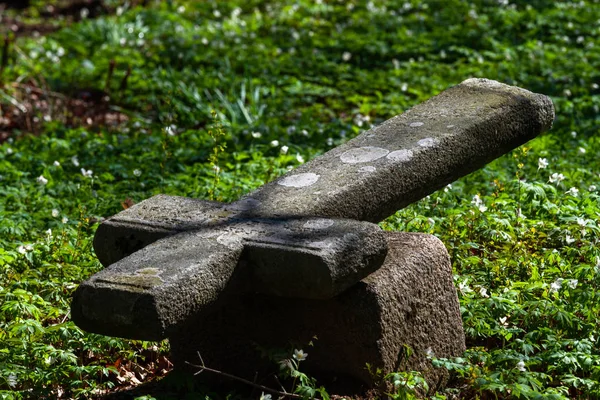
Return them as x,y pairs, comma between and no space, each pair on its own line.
299,180
416,124
318,223
400,155
427,142
367,169
363,154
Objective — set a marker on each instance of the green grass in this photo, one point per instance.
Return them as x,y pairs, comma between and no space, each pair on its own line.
307,74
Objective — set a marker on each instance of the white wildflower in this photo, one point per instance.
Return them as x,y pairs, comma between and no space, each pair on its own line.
346,56
274,143
87,173
75,161
329,141
503,321
573,283
41,180
256,135
216,13
556,177
464,287
572,192
56,164
542,163
137,172
25,249
299,158
573,134
300,355
581,221
284,149
265,396
483,292
569,239
592,188
55,212
171,130
65,220
49,233
556,285
9,151
521,366
582,150
304,132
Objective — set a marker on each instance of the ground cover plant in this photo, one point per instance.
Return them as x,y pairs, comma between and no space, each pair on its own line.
109,111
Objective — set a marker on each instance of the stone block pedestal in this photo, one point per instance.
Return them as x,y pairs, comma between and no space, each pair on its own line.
411,300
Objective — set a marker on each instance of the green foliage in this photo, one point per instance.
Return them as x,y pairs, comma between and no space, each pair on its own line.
290,80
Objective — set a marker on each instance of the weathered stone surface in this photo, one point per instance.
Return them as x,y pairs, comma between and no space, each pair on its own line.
146,294
411,155
410,300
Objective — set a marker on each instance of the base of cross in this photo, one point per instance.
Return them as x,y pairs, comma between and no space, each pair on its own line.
410,301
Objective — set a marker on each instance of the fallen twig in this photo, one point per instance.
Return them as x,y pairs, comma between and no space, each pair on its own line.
203,367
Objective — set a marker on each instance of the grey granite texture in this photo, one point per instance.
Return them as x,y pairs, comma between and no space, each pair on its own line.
410,300
148,293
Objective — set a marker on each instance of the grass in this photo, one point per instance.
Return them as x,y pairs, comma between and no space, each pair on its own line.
289,81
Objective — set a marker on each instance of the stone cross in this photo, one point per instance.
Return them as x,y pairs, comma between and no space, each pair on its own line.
308,234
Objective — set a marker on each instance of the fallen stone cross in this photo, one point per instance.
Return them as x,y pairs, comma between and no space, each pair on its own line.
302,256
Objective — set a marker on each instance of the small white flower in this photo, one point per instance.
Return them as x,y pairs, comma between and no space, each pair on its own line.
265,397
592,188
9,151
573,134
41,180
285,364
464,287
556,177
542,163
304,132
572,192
299,158
274,143
521,366
556,285
476,200
56,164
137,172
256,135
300,355
569,239
503,321
573,283
346,56
75,161
582,150
482,208
65,220
216,168
24,249
87,173
483,292
49,233
204,41
592,338
216,13
284,149
581,221
55,212
171,130
329,141
181,9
